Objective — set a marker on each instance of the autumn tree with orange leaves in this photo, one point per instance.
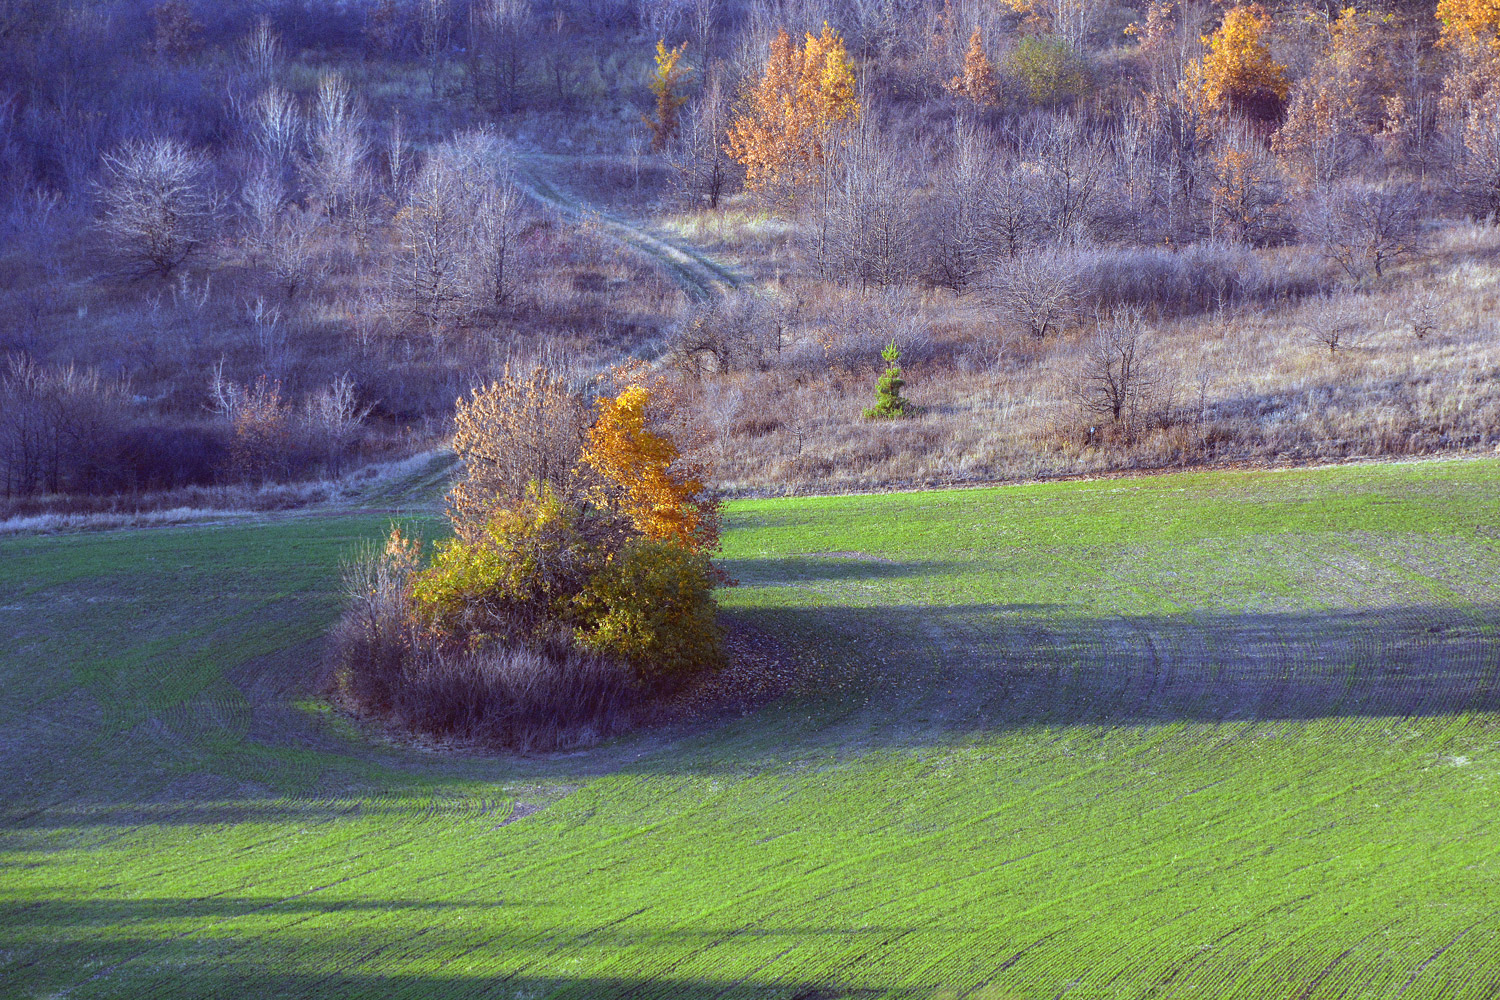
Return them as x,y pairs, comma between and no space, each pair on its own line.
978,81
1238,74
781,130
641,477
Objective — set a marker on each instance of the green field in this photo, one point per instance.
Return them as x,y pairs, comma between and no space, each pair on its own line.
1188,736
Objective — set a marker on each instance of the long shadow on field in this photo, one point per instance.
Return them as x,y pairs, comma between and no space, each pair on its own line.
932,670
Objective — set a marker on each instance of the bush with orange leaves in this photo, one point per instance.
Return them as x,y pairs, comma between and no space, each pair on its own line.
782,127
611,558
1238,73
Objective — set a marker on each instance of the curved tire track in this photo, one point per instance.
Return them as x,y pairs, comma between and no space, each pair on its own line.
699,275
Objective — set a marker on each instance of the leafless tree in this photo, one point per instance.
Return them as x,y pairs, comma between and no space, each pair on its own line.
332,417
1036,291
1363,227
275,127
496,227
872,225
960,213
1070,162
703,15
500,35
337,145
430,236
697,151
1480,168
261,51
435,15
158,207
1117,372
1330,324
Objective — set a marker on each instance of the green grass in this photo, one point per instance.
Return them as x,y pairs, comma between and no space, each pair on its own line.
1190,736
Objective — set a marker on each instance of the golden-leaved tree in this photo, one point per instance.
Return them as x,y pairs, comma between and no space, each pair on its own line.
1470,24
781,129
642,475
1238,73
666,84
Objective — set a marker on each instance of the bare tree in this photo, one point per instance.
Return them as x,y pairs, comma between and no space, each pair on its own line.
1480,169
275,127
1036,291
1070,161
959,215
337,145
872,223
332,417
1330,324
1117,373
724,335
261,51
1363,228
500,34
697,152
158,207
496,226
430,237
435,16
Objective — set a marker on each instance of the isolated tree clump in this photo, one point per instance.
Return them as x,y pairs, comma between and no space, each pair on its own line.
579,580
781,130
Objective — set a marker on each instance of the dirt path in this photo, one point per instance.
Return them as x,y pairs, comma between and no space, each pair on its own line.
700,276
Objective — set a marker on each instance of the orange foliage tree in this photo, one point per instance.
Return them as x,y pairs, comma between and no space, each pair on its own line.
1470,24
643,477
978,82
780,131
1342,102
666,84
1238,73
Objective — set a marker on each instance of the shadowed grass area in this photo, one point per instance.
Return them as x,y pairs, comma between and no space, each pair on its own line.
1200,735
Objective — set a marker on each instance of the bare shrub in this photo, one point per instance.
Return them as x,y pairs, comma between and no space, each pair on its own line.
524,699
374,639
1117,371
1036,292
723,335
158,207
518,430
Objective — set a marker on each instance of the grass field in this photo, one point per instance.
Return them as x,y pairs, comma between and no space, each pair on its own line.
1190,736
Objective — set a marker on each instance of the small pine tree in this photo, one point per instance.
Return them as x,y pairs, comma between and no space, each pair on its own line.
889,403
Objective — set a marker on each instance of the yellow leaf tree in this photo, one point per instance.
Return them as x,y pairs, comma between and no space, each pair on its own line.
1238,73
666,84
780,131
641,475
1470,24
